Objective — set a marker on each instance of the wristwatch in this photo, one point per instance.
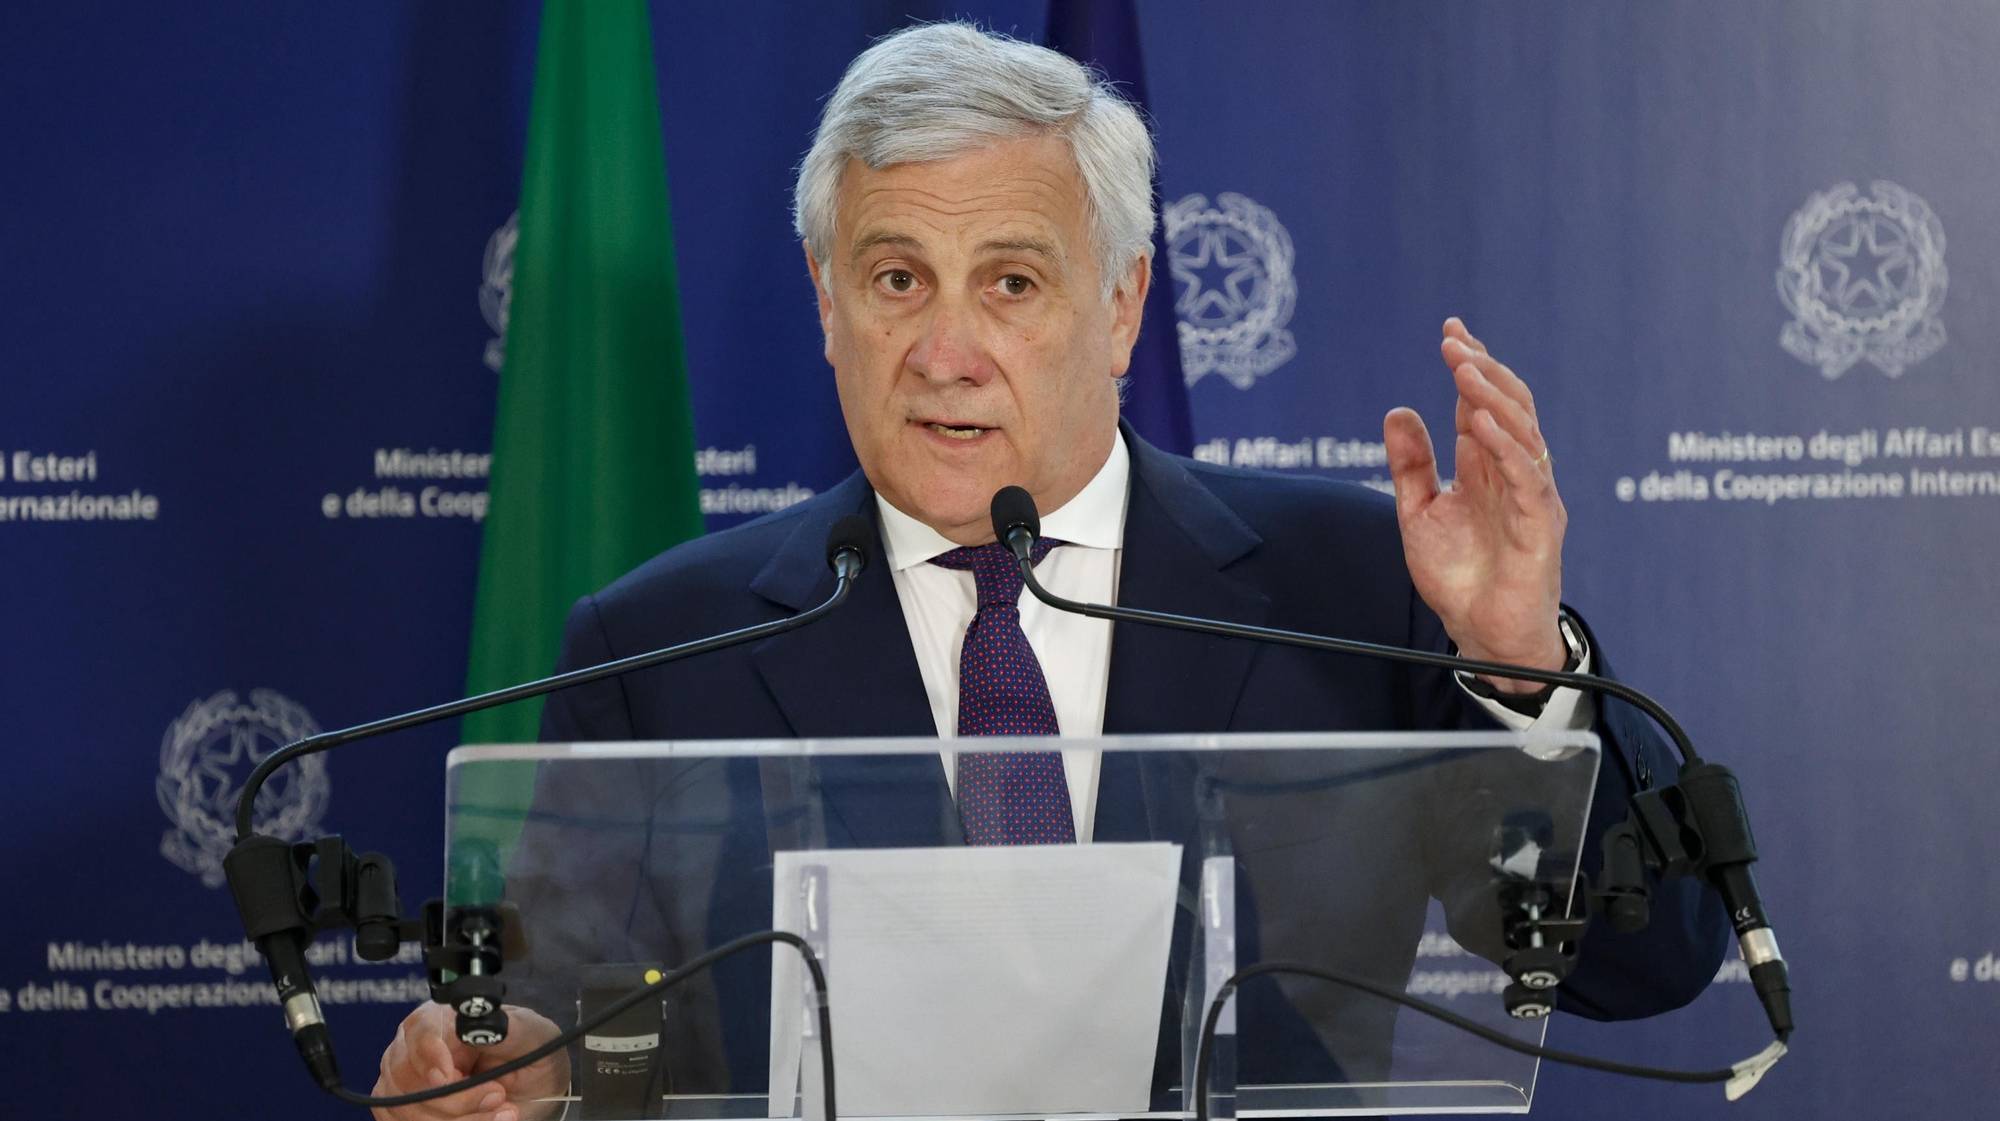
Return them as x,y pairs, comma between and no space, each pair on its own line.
1531,704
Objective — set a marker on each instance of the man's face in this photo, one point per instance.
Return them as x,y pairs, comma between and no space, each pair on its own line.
970,341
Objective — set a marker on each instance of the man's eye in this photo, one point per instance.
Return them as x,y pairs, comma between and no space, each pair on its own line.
898,280
1016,285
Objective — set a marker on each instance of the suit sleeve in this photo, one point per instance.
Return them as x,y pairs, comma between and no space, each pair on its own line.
584,713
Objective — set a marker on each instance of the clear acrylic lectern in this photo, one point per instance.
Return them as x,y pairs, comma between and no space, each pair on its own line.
979,982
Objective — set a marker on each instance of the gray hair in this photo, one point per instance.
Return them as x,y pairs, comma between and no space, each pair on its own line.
941,90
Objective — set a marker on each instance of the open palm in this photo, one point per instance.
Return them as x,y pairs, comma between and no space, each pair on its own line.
1486,553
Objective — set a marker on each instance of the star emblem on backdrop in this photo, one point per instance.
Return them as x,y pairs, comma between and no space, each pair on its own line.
205,757
1232,264
1864,278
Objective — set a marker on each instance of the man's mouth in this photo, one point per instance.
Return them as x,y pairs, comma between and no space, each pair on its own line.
956,431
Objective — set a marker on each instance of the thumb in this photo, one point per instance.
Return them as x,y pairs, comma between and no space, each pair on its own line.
526,1030
1412,461
433,1031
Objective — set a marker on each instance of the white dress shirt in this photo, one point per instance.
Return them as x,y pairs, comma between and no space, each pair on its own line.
1075,651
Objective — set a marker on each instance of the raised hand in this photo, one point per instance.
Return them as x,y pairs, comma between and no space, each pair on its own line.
1486,554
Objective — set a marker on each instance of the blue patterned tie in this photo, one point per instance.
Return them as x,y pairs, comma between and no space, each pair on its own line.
1005,797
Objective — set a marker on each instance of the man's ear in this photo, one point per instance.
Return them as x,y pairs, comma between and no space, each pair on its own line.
1128,305
821,284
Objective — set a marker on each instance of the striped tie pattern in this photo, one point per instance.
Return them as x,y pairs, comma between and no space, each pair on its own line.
1005,797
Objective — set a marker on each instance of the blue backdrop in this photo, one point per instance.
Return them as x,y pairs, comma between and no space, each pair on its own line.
249,256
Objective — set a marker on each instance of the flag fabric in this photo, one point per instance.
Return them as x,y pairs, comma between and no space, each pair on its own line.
593,446
1104,35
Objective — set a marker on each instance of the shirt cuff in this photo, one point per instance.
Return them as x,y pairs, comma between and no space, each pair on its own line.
1568,710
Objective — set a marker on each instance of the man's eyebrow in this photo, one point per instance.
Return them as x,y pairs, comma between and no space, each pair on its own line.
881,238
1044,249
889,238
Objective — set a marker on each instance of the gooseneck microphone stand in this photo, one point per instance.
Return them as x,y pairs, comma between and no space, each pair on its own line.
282,907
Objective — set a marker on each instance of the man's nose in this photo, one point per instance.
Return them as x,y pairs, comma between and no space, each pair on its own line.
950,349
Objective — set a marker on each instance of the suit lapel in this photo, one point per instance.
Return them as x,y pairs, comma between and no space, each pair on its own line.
854,673
1180,542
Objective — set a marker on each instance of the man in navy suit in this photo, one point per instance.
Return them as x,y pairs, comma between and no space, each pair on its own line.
977,220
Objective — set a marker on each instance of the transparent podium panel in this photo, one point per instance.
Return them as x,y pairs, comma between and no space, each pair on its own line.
987,981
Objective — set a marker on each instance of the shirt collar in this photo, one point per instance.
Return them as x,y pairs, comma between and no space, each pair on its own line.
1094,519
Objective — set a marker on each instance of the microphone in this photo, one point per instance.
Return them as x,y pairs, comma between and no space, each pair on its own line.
267,876
1016,522
286,954
847,546
1713,802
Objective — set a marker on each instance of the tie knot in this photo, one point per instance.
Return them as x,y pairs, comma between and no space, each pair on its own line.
994,571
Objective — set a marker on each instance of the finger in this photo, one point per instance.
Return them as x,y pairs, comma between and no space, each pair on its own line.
396,1056
490,1101
526,1030
495,1107
1478,390
1471,468
1509,382
442,1069
1499,373
433,1035
439,1059
1454,328
475,1102
1529,489
1412,461
1456,352
406,1068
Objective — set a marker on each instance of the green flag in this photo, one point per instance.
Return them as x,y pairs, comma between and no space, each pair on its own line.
593,446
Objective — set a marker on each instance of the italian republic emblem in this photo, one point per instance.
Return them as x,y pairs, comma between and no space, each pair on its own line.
1864,278
1233,265
205,757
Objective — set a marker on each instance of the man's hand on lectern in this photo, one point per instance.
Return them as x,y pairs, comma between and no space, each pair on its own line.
427,1053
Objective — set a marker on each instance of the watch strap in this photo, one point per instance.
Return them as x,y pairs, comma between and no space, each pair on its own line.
1532,704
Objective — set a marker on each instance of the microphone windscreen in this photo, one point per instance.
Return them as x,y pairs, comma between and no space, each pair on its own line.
1014,508
850,534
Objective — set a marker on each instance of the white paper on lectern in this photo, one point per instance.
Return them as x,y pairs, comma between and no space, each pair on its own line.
992,979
